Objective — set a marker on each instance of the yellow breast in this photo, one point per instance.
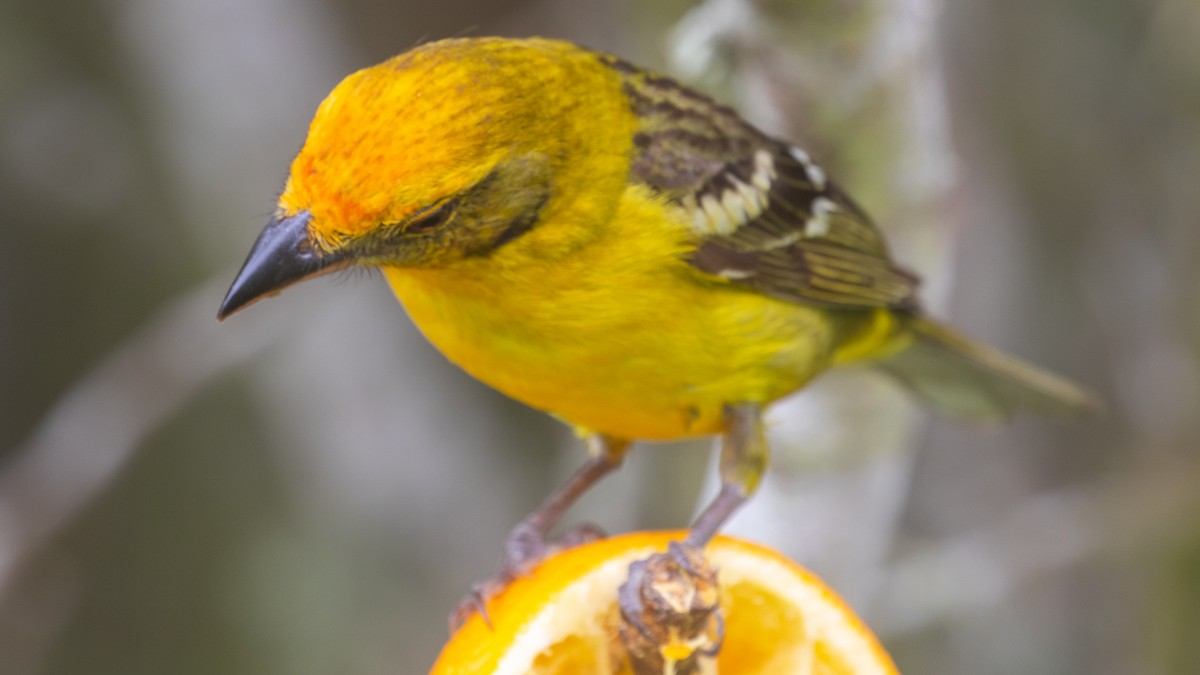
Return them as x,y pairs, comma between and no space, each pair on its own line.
620,335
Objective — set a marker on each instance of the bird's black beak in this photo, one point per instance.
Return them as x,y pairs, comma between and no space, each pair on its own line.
282,256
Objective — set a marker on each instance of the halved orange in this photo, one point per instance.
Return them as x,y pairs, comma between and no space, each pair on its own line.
779,618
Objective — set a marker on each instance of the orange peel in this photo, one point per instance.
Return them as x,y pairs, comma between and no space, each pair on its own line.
562,617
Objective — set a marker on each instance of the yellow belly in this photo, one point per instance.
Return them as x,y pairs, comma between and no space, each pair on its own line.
660,367
620,336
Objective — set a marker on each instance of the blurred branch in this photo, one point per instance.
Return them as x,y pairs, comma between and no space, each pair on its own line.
1042,535
95,428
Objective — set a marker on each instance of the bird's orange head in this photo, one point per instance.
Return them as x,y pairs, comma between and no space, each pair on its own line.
445,152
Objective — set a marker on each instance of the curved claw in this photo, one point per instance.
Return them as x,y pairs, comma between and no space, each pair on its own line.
474,602
524,548
715,648
629,598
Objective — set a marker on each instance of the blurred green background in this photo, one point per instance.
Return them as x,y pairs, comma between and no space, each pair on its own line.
309,488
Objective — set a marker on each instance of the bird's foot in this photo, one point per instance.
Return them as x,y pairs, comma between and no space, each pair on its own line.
669,610
524,548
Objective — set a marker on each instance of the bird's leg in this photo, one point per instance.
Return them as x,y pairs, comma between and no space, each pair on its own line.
744,456
527,543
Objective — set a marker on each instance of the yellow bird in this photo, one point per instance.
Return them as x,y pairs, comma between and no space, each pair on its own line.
607,245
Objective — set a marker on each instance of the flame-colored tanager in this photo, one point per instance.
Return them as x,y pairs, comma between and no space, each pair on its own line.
612,247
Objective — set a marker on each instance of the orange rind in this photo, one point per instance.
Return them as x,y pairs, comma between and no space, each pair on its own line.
563,617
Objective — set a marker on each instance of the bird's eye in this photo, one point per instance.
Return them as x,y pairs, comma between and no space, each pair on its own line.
432,218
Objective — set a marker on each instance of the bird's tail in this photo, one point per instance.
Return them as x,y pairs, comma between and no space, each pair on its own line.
970,380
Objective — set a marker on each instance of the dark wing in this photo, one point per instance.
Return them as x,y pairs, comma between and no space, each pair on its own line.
766,216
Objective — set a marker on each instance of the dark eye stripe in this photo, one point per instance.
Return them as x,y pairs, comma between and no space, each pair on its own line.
432,219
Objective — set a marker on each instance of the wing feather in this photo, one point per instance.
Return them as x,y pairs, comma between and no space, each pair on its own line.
764,214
